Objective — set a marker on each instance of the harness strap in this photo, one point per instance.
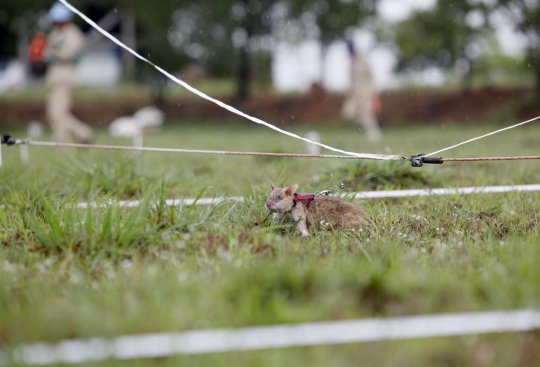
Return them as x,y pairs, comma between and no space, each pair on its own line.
308,197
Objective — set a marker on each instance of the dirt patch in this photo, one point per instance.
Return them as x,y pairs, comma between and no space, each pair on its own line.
452,106
399,107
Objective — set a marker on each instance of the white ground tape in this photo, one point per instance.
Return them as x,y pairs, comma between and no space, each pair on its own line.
168,202
278,336
444,191
358,195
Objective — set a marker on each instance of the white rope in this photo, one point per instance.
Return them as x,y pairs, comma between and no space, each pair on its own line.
483,136
271,337
357,195
219,103
178,150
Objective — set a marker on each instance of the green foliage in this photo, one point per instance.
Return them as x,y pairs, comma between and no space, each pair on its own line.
333,18
459,35
122,178
525,16
439,37
228,36
505,70
104,231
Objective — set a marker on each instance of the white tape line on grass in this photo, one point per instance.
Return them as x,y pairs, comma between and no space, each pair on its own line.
168,202
358,195
278,336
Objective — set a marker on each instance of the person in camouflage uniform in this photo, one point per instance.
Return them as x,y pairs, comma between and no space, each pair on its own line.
63,47
362,98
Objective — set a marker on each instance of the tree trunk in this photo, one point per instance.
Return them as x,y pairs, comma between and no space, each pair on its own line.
158,91
537,76
536,66
128,37
468,77
244,70
23,40
322,75
534,61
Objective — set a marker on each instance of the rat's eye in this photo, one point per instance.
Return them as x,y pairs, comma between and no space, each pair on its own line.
279,197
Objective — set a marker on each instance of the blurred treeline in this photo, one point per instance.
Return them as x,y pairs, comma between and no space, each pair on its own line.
234,38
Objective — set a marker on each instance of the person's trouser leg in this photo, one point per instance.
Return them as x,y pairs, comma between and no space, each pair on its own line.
79,130
57,104
348,108
370,124
63,123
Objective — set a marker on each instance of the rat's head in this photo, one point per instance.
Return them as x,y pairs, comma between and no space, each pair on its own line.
281,199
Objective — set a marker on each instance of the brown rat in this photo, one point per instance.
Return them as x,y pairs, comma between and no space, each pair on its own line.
321,211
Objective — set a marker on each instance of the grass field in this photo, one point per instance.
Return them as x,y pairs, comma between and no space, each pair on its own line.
69,273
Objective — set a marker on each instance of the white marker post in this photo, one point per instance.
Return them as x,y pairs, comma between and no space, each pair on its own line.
34,131
138,142
310,147
25,154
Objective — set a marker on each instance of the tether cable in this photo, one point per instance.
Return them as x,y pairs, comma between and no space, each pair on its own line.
483,136
8,140
193,151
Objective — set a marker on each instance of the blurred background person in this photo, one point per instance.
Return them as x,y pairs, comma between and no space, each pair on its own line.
362,100
63,48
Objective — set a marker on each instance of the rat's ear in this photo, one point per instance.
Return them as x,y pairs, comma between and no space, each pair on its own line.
291,189
272,185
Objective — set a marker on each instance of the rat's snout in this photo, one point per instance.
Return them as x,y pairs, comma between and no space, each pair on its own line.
268,204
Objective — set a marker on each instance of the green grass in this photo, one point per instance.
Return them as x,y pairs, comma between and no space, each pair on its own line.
69,273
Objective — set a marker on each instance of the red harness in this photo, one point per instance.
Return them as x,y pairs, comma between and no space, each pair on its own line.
300,197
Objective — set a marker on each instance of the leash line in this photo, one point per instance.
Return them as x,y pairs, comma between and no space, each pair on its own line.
8,140
178,150
477,159
342,185
483,136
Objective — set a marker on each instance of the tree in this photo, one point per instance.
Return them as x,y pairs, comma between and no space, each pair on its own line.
214,28
447,37
332,18
525,16
223,33
18,18
329,21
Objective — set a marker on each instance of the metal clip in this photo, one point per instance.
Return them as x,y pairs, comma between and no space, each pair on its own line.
8,140
330,191
324,192
420,159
